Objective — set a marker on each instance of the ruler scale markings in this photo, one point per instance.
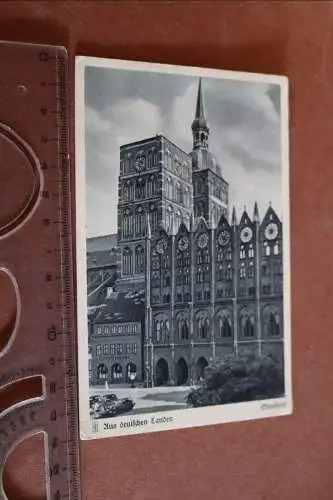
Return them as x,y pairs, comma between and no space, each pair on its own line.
56,358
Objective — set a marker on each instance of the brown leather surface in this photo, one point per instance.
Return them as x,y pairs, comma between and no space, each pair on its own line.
287,458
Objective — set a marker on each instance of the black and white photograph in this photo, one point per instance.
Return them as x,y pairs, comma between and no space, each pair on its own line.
183,247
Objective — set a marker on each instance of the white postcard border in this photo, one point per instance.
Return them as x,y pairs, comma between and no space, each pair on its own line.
182,418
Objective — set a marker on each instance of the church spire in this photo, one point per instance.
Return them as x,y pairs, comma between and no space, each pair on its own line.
200,127
200,109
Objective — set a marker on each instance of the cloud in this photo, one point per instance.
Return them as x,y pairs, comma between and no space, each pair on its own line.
126,106
129,120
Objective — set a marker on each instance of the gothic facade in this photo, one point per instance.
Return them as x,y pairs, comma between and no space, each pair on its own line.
213,282
213,291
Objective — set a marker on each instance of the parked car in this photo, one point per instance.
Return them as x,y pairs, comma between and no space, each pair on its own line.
108,405
123,405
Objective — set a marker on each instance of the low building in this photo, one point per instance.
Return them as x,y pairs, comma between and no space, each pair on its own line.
101,275
117,340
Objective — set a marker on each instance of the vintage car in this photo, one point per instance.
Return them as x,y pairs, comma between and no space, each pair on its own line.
109,405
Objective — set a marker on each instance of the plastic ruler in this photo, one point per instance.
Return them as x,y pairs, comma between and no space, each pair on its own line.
36,263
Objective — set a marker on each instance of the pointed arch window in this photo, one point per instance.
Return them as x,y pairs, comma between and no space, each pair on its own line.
186,197
242,271
150,159
126,192
140,221
220,274
127,224
207,270
201,327
167,187
186,276
126,165
177,192
150,186
251,251
219,255
179,328
171,189
130,191
127,262
274,324
202,324
184,329
166,330
229,273
242,252
199,275
224,325
206,328
200,186
267,249
177,220
139,259
276,249
158,330
200,210
153,219
154,157
140,189
247,325
162,328
169,160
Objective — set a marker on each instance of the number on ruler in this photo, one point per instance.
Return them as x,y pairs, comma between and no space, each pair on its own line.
52,333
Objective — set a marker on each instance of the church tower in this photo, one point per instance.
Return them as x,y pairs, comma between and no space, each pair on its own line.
210,190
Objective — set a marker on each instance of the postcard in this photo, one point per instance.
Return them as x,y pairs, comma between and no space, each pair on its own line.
183,247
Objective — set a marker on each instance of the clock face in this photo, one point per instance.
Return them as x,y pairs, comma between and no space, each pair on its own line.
183,243
203,240
161,246
271,231
140,162
224,238
246,234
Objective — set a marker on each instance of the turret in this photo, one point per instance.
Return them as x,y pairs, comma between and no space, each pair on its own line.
200,127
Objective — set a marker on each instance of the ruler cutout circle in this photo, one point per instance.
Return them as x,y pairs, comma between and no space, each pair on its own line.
12,280
21,180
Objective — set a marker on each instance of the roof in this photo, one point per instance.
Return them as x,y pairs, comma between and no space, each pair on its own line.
150,139
200,121
98,243
203,159
102,258
96,290
122,307
141,141
176,146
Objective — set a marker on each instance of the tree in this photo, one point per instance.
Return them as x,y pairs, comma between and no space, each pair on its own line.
236,379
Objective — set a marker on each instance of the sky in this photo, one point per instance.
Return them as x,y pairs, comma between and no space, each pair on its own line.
123,106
